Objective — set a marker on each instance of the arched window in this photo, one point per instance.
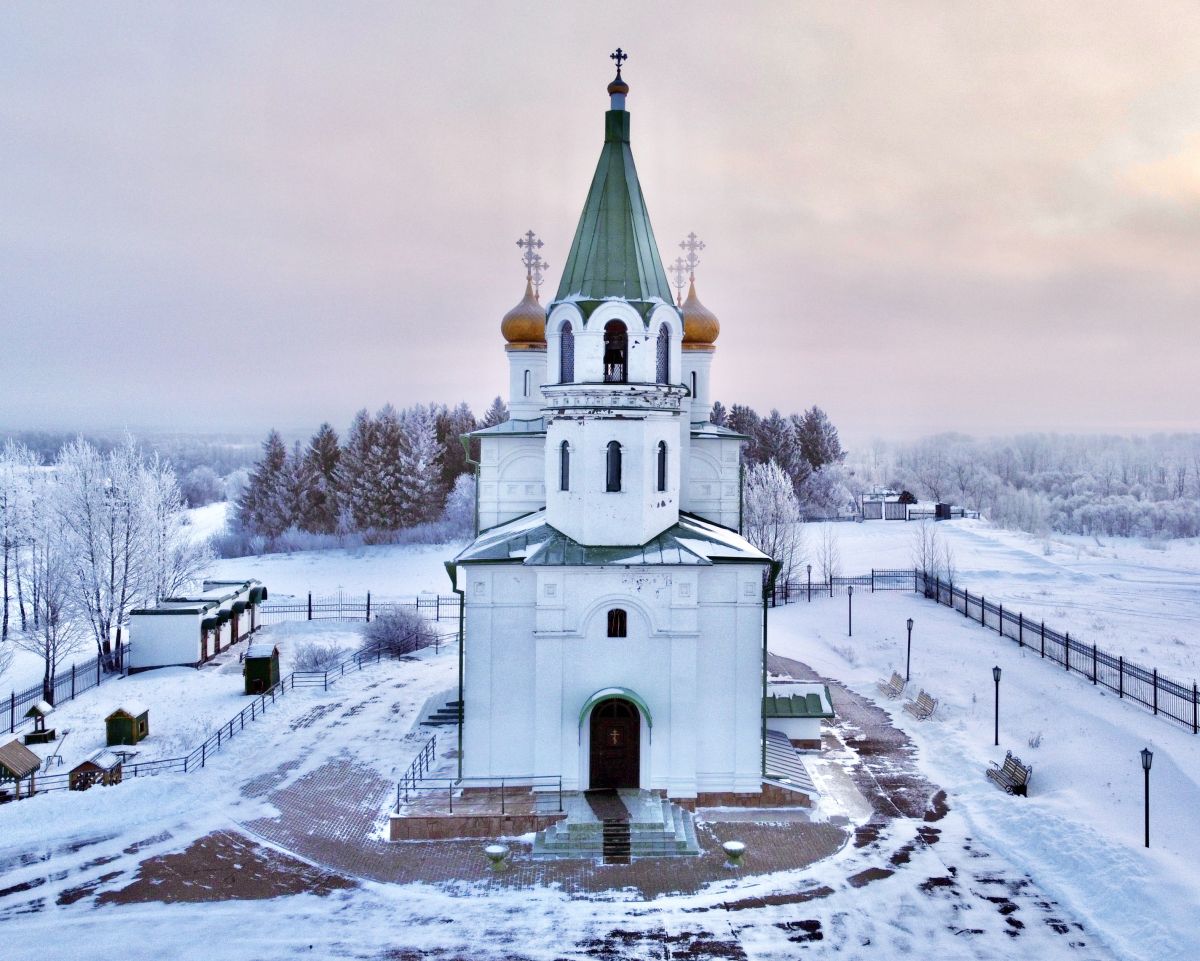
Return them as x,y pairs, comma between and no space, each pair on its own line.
616,353
662,465
564,466
664,355
566,354
613,473
526,388
618,623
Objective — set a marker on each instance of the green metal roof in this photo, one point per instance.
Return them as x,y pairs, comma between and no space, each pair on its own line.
795,705
614,253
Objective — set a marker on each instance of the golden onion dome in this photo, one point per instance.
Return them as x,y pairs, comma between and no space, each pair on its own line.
525,323
700,325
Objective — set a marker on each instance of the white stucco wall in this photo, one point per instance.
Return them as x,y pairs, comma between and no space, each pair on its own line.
159,640
537,649
714,479
511,477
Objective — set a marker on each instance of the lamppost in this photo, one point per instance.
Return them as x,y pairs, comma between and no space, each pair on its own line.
908,656
1147,760
996,678
810,583
850,610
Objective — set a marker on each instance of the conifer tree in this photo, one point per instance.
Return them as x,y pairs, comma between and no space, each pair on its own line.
818,438
320,509
386,472
419,461
719,415
263,505
451,425
497,413
354,473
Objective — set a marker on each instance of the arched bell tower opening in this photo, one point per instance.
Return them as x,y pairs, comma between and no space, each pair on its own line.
616,353
615,745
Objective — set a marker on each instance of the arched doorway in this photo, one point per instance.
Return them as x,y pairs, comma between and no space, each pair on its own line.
616,741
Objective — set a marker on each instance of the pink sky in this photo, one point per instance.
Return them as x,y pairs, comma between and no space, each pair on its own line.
921,217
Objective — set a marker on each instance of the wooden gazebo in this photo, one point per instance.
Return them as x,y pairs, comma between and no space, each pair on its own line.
17,763
103,767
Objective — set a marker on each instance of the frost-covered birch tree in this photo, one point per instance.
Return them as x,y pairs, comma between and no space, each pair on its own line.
17,465
772,516
828,553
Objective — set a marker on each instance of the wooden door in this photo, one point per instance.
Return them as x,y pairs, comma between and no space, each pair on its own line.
615,745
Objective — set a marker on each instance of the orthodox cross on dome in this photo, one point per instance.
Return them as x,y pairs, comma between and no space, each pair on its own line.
535,267
620,56
691,248
679,278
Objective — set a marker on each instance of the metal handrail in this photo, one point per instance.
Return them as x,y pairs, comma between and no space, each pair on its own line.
452,784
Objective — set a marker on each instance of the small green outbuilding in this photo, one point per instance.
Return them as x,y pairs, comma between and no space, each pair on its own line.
261,667
128,724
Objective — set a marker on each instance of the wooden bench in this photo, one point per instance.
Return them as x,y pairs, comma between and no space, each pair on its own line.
893,688
1012,775
923,707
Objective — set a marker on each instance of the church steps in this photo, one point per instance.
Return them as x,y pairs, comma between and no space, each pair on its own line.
657,827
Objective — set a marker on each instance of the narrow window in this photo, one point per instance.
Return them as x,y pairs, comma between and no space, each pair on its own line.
693,383
664,354
616,353
662,465
526,383
566,354
564,467
613,480
617,623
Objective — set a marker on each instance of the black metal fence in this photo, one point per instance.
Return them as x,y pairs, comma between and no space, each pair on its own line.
198,757
804,587
360,607
69,683
1162,695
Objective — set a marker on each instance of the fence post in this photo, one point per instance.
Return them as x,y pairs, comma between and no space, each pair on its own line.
1043,638
831,583
1195,709
1156,690
982,611
97,670
1121,676
1000,628
1093,663
872,580
1067,653
72,682
310,605
368,607
1020,628
502,795
12,712
966,602
203,753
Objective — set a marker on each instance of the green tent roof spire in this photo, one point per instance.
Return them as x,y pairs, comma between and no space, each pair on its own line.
614,253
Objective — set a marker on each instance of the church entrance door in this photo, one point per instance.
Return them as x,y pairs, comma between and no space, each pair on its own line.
615,745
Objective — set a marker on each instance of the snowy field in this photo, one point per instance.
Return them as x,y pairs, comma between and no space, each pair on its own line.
1076,841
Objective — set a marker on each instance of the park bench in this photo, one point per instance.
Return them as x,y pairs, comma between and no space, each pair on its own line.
1012,775
923,707
893,688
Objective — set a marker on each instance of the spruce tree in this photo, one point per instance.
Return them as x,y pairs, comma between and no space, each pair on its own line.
320,510
263,508
719,415
451,425
497,413
419,461
354,473
818,438
388,478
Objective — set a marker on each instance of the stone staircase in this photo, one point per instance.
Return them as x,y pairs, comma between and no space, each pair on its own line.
449,713
654,828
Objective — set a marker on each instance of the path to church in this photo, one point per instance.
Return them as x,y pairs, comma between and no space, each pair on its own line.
327,817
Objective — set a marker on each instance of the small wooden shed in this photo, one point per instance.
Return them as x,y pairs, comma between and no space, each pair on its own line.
261,667
103,767
40,733
17,763
128,724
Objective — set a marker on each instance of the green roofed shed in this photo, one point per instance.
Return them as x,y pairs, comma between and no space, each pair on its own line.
127,724
261,667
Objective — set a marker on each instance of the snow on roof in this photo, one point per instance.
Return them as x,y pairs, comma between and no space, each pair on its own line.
536,425
104,759
41,707
261,649
531,540
132,708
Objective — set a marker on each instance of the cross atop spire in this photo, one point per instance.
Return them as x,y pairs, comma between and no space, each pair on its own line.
691,248
620,56
535,267
679,278
618,88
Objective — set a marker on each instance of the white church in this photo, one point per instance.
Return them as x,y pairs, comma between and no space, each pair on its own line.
613,615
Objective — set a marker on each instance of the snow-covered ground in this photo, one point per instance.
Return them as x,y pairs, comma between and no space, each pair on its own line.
1077,839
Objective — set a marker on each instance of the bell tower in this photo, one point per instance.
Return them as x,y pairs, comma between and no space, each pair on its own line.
614,398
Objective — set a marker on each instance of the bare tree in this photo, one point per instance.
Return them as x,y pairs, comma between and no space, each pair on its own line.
176,559
927,548
52,633
17,464
829,553
772,516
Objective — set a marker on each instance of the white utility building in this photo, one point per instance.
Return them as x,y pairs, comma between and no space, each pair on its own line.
614,616
191,629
